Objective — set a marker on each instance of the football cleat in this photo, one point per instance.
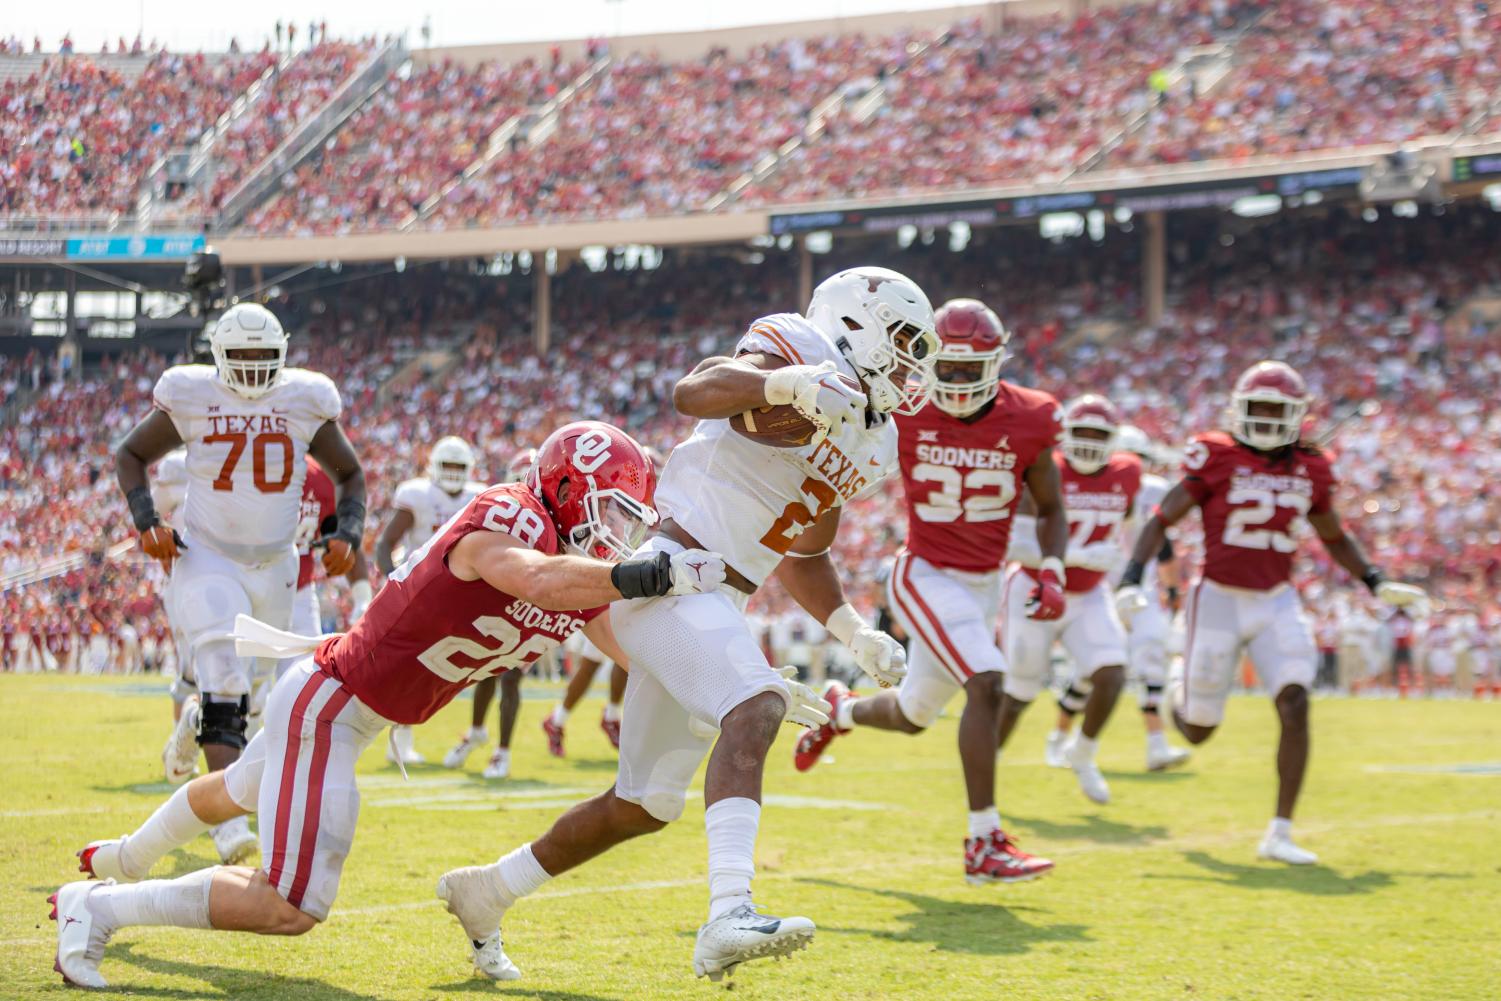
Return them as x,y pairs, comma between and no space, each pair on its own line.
1053,752
491,960
994,858
554,736
101,860
234,840
611,727
1160,759
467,894
1280,848
180,756
499,766
1091,783
80,940
400,743
745,934
471,741
813,742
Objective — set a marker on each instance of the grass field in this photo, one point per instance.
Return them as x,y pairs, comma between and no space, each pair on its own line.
1157,896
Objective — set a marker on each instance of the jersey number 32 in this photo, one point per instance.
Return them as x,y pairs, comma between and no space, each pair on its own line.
978,495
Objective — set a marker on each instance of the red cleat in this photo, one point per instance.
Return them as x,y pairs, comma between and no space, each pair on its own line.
812,744
554,736
611,727
995,858
86,861
53,916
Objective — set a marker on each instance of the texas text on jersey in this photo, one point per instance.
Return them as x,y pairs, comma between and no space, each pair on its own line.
390,659
244,456
318,503
1097,505
1251,501
963,480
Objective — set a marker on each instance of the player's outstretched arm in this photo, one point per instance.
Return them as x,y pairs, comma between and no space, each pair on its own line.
336,455
560,583
147,442
399,524
1347,552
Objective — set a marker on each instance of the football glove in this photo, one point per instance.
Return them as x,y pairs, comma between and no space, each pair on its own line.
338,555
1394,592
163,544
804,706
1129,601
695,571
1046,602
817,393
878,654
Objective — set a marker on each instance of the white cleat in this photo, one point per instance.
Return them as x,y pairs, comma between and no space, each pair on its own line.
1091,783
745,934
468,895
401,744
234,840
499,766
1163,758
180,756
1053,752
472,741
1280,848
101,860
80,941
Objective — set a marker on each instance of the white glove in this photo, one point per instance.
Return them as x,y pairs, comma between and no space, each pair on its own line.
1394,592
817,393
695,571
804,708
1100,556
1128,602
878,655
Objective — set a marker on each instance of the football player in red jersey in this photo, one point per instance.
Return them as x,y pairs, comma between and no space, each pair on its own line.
1099,490
488,593
1251,485
965,459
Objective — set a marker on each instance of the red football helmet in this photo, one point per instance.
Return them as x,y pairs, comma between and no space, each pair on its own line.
1275,384
520,465
969,332
1092,412
598,483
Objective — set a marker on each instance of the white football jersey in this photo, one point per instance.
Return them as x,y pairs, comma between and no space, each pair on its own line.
169,486
245,457
431,507
1153,488
748,501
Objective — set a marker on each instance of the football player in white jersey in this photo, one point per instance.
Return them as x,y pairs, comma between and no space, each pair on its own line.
1148,630
246,423
865,349
423,505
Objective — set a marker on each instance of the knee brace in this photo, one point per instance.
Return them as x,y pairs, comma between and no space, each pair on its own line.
1073,698
223,720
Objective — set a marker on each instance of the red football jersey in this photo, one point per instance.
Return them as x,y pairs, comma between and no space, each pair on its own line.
1097,504
318,504
1250,501
964,480
428,635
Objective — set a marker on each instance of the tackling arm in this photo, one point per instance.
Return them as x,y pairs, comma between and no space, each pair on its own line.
401,522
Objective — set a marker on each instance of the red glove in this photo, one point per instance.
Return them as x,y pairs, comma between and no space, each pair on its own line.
1046,602
338,556
163,545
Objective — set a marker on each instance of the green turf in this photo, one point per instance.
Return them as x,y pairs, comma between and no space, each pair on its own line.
1157,896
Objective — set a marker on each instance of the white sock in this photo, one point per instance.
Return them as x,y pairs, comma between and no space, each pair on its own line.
516,875
404,738
1085,746
1281,827
612,712
559,715
181,902
844,716
982,822
502,754
1157,741
478,735
731,825
173,825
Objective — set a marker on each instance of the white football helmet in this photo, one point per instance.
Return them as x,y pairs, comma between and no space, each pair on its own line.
883,324
1130,438
248,326
446,454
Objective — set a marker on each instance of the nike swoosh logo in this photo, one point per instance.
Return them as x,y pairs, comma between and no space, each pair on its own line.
770,929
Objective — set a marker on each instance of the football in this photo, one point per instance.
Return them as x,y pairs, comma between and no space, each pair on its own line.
780,426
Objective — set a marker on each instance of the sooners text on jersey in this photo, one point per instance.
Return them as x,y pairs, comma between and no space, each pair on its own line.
1251,501
428,635
318,505
1097,504
963,480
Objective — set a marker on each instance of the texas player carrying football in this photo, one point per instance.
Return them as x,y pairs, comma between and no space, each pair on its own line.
964,461
423,505
694,664
247,421
516,571
1099,488
1251,485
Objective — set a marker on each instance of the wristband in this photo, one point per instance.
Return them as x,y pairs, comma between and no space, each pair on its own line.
844,622
351,516
1372,578
1131,576
645,578
1052,565
142,509
361,592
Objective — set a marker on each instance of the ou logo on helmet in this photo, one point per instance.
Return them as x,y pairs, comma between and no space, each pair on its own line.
590,451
